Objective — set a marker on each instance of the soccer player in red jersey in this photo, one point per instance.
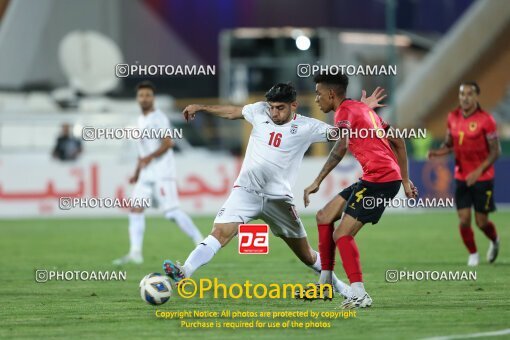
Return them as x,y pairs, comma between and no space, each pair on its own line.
384,164
472,137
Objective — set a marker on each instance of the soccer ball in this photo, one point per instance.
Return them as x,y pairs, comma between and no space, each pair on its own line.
155,289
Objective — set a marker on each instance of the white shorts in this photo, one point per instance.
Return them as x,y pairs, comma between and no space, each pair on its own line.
279,212
162,193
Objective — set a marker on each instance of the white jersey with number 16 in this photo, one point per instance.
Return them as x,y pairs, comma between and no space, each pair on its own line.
275,152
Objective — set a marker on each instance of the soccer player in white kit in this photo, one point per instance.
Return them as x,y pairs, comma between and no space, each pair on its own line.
263,189
155,177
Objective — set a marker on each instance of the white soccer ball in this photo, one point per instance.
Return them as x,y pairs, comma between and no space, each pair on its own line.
155,289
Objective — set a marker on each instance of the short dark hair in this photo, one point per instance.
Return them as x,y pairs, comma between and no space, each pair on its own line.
146,85
282,92
339,81
472,83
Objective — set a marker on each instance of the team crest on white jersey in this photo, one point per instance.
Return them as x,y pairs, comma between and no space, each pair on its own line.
293,129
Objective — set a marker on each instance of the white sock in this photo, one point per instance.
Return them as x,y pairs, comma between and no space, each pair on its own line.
185,224
317,265
341,287
358,289
327,276
136,230
203,253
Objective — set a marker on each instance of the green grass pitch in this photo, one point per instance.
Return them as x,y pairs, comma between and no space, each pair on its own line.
91,309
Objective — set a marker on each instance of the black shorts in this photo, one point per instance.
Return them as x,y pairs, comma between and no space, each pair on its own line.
361,198
480,195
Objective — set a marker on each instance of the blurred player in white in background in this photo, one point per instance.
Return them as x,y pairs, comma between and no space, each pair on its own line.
155,177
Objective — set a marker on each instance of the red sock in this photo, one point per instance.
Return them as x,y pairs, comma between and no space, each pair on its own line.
350,258
326,246
469,238
490,231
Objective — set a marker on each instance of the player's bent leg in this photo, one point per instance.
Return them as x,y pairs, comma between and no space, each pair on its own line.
185,223
166,194
464,215
344,238
142,190
348,227
332,211
311,258
325,218
489,229
464,200
221,234
301,247
481,220
136,231
468,237
224,232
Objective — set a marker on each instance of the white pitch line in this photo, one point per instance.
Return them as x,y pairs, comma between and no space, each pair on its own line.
472,335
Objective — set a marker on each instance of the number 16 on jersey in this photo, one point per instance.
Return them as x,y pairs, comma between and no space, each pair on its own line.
275,139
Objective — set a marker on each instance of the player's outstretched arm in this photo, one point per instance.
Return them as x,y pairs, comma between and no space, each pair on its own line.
445,148
335,156
399,148
373,101
222,111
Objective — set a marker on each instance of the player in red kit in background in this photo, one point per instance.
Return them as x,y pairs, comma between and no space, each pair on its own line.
472,137
384,163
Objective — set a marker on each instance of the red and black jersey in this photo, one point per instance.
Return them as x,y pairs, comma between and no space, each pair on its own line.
470,137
